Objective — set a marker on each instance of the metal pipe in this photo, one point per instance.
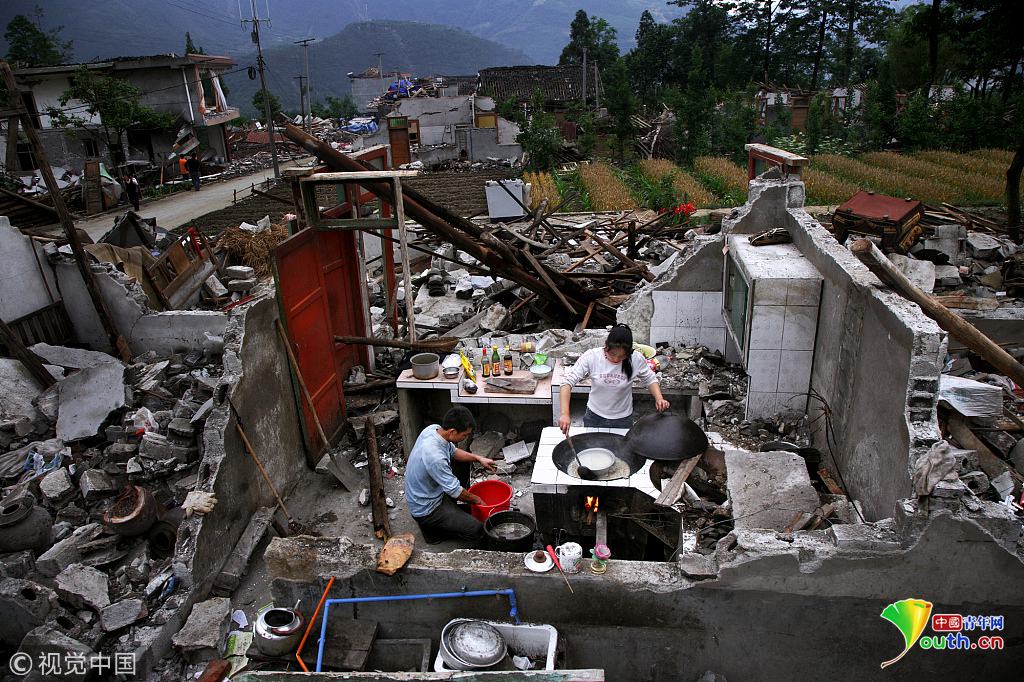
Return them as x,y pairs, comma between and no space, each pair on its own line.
510,593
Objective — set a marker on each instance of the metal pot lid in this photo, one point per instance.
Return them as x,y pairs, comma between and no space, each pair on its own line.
477,643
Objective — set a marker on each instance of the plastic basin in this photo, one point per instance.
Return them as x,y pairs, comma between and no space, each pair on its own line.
497,496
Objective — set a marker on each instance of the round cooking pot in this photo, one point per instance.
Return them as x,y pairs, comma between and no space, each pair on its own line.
666,436
424,365
563,456
519,544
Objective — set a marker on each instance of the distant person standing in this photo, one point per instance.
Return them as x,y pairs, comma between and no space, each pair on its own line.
193,170
132,189
183,166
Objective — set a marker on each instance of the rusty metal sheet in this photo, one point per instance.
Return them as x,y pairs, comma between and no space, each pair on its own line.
880,207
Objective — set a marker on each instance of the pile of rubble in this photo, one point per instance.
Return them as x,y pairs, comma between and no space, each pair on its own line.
97,477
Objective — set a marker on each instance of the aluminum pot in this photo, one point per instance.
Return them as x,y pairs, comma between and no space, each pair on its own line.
277,631
425,365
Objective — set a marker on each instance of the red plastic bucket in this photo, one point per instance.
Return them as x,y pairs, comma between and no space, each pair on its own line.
497,496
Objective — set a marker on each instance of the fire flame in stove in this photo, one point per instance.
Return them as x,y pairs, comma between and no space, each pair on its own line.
591,503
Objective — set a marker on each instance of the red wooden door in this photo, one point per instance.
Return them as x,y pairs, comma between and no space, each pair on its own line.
318,291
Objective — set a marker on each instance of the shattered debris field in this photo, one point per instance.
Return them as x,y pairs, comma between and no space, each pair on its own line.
235,461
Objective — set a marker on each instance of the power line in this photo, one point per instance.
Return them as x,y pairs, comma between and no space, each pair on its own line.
202,14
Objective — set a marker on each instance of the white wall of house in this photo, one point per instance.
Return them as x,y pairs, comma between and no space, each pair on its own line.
47,94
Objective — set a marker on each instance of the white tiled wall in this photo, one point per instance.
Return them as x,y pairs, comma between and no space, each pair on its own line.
783,324
689,317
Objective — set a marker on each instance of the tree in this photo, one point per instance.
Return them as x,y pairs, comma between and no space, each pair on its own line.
190,47
621,104
591,40
335,108
114,101
29,45
257,103
539,136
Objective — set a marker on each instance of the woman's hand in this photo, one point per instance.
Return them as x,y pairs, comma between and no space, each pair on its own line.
564,422
661,404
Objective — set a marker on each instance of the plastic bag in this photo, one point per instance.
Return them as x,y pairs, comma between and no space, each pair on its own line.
143,421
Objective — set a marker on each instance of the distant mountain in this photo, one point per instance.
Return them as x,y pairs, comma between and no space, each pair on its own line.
422,49
109,28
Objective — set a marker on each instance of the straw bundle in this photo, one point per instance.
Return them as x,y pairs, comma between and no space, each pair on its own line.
254,250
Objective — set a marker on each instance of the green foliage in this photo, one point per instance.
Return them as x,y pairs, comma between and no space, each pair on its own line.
114,101
190,47
621,104
259,105
594,37
539,136
29,45
798,144
333,108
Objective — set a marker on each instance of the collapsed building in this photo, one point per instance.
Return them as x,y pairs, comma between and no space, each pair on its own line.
826,394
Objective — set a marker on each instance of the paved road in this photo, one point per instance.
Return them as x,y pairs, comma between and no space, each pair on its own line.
177,209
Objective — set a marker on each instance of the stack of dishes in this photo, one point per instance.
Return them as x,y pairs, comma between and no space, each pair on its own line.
468,644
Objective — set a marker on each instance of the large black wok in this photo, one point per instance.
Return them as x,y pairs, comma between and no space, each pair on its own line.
666,436
563,456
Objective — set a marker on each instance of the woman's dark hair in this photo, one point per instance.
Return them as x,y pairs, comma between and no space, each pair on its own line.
621,336
458,418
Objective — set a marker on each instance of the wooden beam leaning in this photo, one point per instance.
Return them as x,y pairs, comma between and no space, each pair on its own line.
960,329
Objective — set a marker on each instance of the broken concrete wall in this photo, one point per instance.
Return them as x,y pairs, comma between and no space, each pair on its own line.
769,196
484,145
877,359
163,332
27,282
684,303
260,387
819,595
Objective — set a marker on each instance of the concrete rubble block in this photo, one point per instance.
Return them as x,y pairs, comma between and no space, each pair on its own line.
122,614
239,272
767,489
381,419
87,400
215,287
920,272
516,452
67,551
84,587
23,606
72,358
1017,455
488,444
47,640
204,632
158,447
495,317
17,565
57,487
181,429
96,483
19,388
983,246
863,536
121,452
947,276
241,285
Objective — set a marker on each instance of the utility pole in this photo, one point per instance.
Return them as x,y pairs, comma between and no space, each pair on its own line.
584,78
263,86
309,83
302,101
380,69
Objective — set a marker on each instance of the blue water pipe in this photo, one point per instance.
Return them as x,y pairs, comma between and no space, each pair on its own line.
509,592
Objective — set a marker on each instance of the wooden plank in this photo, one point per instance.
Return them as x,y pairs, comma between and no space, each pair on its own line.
990,463
27,358
542,271
378,500
674,490
623,258
520,385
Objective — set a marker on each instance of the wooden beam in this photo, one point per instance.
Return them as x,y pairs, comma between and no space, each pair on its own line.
623,258
378,500
674,490
31,361
30,202
959,328
542,271
990,463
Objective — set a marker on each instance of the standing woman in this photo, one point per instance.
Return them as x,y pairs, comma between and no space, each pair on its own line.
611,370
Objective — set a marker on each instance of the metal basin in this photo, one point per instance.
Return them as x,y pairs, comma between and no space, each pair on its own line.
626,462
471,645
